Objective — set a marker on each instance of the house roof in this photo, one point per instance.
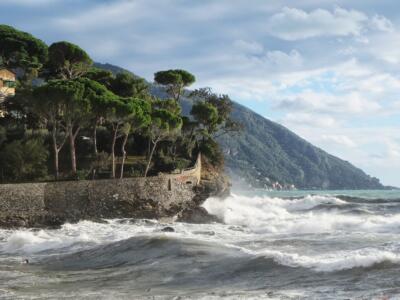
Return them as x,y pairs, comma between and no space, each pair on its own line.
2,68
9,71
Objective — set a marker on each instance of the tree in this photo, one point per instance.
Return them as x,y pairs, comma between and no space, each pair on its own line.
174,81
217,125
166,122
68,61
138,118
47,104
127,85
212,113
101,104
21,50
128,114
63,103
103,77
206,116
119,113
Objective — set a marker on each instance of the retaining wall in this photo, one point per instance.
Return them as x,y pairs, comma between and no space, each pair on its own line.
151,197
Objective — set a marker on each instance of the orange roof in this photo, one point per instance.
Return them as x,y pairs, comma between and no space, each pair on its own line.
5,69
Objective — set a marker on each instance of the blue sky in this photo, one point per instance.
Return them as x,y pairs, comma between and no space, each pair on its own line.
328,70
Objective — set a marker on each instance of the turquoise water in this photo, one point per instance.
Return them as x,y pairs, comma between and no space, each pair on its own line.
366,194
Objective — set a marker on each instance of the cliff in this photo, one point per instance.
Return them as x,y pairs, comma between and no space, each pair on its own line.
54,203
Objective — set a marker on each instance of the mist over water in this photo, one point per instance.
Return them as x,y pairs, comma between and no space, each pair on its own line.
279,245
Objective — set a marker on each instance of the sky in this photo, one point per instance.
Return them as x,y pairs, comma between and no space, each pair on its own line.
327,70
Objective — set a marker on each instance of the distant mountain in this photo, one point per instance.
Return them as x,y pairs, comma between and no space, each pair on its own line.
267,152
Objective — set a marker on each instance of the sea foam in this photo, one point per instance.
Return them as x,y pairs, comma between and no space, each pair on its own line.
276,215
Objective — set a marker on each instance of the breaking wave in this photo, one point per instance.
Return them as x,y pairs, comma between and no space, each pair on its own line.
311,214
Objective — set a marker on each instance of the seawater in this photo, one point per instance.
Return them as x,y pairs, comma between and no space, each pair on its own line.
272,245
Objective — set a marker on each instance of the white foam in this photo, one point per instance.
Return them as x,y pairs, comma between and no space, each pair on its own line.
337,261
72,236
275,215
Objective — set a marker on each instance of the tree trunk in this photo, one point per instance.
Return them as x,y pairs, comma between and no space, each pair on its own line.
72,152
121,175
113,151
55,150
72,137
150,157
95,151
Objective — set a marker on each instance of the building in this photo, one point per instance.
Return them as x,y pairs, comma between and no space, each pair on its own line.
7,85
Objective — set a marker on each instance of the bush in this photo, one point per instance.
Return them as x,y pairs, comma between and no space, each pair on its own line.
23,160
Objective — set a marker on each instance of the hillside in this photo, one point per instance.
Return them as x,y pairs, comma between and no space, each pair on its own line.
267,152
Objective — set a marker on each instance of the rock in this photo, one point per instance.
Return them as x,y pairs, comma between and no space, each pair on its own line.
197,215
168,229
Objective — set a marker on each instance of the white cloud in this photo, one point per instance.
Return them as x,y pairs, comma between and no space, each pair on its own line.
109,15
340,140
294,24
251,47
320,102
311,120
292,59
381,23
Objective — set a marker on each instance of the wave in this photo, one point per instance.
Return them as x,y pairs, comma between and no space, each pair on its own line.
71,237
333,262
311,214
174,254
352,199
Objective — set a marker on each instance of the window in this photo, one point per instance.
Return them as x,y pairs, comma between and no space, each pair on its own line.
9,83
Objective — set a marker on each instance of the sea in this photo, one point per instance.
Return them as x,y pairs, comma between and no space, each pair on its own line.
271,245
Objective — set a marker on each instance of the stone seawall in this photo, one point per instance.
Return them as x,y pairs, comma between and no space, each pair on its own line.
53,203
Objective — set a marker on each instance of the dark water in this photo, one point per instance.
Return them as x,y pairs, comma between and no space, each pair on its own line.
342,245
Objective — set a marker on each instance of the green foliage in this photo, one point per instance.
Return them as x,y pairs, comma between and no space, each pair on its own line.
126,85
220,121
62,99
166,119
206,116
100,99
104,77
212,151
21,49
23,160
166,123
167,164
68,61
175,81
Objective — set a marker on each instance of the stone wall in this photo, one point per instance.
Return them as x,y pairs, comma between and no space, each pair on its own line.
52,203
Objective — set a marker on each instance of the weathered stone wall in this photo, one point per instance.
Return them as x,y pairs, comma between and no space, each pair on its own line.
32,204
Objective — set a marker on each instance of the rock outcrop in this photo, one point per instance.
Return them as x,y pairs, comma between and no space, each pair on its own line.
213,184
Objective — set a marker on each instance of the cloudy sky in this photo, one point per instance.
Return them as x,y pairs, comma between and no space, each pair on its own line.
328,70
